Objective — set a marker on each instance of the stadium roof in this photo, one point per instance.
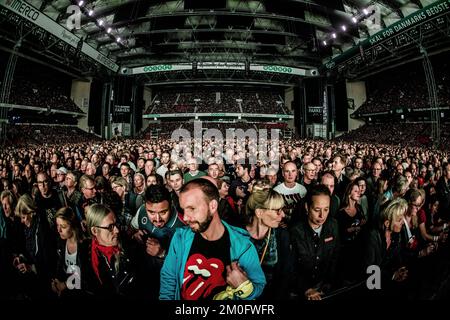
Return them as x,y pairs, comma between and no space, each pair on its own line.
133,33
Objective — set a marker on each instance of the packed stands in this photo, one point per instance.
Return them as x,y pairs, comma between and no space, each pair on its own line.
217,100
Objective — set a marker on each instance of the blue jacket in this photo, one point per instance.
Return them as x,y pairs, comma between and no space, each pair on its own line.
241,250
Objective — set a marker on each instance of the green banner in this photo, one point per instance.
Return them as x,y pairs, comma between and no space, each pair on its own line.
417,17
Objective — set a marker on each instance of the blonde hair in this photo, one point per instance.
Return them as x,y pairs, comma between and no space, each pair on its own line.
120,181
396,209
9,195
263,199
25,206
95,215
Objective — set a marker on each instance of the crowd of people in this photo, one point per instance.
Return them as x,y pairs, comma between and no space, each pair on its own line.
220,100
166,128
394,133
19,135
392,92
49,95
151,219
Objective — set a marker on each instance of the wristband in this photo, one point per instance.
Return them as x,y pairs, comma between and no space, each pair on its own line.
243,291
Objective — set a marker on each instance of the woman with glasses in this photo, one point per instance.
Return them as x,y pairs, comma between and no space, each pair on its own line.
264,211
68,273
106,268
412,243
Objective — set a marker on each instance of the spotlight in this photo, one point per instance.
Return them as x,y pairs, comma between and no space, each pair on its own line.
80,3
334,35
324,43
344,28
366,12
91,12
354,20
100,22
118,39
109,30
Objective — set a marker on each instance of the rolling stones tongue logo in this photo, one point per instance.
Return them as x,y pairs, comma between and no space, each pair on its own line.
201,277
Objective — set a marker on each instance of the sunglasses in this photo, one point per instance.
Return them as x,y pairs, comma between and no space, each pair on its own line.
110,228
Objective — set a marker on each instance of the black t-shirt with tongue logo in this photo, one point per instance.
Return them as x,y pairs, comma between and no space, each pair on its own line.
205,270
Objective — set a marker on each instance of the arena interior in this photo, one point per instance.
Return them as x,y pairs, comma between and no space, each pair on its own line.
340,108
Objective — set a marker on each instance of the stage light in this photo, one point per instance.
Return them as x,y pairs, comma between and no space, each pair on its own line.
334,35
100,22
91,12
344,28
80,3
324,43
109,30
354,20
118,39
366,12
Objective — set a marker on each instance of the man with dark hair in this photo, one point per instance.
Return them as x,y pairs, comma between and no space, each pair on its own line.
48,199
175,181
239,186
165,164
339,163
329,181
315,244
211,259
155,224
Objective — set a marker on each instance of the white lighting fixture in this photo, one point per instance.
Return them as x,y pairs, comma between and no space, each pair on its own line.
366,12
344,28
100,22
334,35
118,39
91,12
354,20
109,30
324,43
80,3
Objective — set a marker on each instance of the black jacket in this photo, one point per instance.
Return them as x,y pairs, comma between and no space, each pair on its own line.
443,193
315,258
376,253
115,282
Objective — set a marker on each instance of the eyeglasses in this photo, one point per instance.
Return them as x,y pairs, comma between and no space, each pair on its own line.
115,187
90,188
42,182
110,228
279,211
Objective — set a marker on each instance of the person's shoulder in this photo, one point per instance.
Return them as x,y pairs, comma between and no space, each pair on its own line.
332,224
299,186
182,232
279,187
299,227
